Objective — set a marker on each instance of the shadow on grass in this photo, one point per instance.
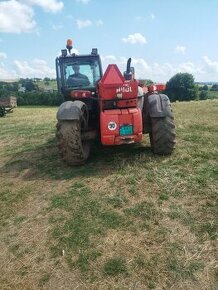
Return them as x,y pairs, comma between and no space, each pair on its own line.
44,161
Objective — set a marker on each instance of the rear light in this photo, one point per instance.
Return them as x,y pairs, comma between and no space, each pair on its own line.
152,88
156,88
80,94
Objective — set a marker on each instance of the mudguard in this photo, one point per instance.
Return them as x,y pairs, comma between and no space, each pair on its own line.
158,105
140,99
71,110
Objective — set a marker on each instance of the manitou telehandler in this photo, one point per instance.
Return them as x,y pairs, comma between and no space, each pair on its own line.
110,106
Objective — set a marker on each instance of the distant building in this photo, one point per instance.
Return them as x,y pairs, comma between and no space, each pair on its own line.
48,89
21,89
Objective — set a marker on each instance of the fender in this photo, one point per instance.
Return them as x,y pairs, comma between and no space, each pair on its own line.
72,110
140,99
159,106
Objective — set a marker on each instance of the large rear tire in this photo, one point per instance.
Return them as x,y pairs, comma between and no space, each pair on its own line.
162,135
72,148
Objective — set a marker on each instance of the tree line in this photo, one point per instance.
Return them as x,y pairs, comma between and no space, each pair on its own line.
31,94
39,98
181,87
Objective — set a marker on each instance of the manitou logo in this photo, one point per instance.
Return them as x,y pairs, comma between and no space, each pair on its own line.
124,89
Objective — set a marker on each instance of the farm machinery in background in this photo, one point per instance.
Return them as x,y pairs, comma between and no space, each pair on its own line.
7,105
110,106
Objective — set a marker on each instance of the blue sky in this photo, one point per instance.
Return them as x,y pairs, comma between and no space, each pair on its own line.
162,37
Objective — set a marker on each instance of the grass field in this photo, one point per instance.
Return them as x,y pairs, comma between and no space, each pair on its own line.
125,220
42,84
212,94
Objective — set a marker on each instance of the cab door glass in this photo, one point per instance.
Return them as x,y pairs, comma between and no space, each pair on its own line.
90,70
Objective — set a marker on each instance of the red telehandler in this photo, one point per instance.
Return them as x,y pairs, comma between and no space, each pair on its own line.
111,106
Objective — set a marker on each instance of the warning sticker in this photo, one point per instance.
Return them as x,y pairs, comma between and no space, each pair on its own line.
112,126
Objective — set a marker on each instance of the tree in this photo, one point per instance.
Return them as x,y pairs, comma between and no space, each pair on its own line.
203,88
39,98
181,87
214,87
29,84
145,82
203,95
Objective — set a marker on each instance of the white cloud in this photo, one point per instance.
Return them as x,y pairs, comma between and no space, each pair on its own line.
87,22
211,66
141,19
16,17
191,68
57,26
158,72
108,59
83,23
47,5
162,72
3,55
135,38
142,68
83,1
37,68
6,74
180,49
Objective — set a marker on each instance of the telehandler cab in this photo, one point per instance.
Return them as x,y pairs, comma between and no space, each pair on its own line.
111,106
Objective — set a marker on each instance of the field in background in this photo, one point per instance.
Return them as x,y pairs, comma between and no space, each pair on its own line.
212,94
125,220
42,85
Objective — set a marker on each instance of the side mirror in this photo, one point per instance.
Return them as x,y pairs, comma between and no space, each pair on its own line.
130,71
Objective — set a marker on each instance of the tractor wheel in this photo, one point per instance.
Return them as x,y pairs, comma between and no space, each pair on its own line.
72,148
162,135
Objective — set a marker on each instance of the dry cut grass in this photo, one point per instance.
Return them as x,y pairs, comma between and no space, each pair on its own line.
125,220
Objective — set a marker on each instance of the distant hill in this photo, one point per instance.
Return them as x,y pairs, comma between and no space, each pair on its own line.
207,83
9,81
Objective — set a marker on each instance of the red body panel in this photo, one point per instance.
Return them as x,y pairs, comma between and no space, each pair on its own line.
126,116
114,86
112,120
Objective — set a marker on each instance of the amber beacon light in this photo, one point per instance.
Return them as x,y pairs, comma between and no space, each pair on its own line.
69,45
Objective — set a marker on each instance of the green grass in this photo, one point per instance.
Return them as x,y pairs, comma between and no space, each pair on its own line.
126,220
212,94
115,266
42,84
